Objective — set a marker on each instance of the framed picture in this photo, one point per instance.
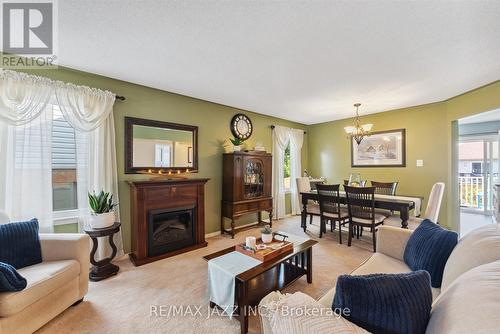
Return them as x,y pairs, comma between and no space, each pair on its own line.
380,149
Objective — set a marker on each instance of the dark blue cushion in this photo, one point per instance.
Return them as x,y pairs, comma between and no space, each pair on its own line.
10,280
428,249
385,303
20,244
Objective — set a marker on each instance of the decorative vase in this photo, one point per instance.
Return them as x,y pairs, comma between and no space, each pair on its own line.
355,180
236,148
102,220
267,237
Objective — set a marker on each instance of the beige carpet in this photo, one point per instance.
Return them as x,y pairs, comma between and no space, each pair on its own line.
122,304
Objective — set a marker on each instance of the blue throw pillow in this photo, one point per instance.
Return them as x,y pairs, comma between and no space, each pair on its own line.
10,280
385,303
20,244
428,249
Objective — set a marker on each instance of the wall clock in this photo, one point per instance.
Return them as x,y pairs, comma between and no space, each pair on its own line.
241,126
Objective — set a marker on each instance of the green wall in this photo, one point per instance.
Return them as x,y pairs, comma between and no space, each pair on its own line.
211,118
430,136
431,132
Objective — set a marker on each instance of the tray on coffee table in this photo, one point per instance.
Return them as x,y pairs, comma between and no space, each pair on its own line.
269,252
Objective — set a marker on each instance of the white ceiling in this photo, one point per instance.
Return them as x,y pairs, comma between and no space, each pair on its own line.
306,61
489,116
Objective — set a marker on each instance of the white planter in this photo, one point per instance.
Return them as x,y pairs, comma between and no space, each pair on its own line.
102,220
236,148
267,238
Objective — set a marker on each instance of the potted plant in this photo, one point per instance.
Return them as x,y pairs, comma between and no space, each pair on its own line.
102,206
266,234
236,143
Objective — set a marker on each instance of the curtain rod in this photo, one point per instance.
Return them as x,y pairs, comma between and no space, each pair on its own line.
119,97
272,127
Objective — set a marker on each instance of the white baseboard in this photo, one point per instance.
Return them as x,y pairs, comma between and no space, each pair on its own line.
213,234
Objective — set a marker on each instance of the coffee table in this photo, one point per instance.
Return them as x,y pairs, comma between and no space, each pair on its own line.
276,274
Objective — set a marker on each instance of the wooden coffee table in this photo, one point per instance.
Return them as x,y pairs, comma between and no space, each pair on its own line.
276,274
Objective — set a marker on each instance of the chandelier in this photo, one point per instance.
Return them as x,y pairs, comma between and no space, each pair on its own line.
358,131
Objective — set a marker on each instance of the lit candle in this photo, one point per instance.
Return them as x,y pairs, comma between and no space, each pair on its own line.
150,171
159,172
187,170
169,172
178,171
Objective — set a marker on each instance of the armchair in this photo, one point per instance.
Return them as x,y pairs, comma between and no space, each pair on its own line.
61,280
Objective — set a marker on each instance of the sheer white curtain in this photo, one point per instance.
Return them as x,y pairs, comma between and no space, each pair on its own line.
90,112
26,158
23,97
25,130
97,169
296,141
281,138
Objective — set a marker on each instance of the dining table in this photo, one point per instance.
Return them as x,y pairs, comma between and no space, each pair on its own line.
401,204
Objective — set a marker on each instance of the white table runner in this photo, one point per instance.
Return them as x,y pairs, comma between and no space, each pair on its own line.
221,278
416,200
223,270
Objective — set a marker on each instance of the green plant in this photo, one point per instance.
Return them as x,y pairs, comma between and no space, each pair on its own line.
286,165
267,229
236,141
102,202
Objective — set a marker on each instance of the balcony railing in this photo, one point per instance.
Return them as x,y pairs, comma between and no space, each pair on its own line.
471,191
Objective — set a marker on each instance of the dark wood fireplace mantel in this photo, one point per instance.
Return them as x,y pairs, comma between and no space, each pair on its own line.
152,196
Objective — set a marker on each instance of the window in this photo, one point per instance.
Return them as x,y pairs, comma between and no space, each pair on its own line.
64,185
286,168
163,156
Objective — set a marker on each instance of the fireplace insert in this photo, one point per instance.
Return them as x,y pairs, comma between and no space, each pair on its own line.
170,229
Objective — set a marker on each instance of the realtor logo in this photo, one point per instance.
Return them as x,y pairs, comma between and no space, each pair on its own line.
28,28
29,34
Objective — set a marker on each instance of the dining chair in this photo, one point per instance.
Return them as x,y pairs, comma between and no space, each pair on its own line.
361,208
331,209
363,183
431,211
385,188
312,208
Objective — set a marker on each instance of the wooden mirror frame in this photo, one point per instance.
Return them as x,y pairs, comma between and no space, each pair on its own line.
129,153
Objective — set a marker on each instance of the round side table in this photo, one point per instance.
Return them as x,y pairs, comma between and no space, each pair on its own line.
104,268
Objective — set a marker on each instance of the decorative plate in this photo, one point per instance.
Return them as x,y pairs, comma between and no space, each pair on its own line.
241,126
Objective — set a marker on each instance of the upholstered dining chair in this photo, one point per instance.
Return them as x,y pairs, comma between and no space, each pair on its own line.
431,211
312,208
361,207
363,183
331,209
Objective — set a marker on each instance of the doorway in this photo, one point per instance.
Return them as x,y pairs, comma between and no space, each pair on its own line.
478,169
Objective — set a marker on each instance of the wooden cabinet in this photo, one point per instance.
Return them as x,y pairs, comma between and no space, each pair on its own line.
246,186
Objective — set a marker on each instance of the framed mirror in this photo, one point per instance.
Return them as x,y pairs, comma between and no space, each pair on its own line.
154,145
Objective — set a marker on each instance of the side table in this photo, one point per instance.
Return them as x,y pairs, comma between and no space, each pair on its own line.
104,268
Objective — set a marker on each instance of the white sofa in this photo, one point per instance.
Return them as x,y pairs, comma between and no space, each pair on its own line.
53,285
467,302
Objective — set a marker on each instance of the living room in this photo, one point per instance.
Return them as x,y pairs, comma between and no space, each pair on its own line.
148,150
